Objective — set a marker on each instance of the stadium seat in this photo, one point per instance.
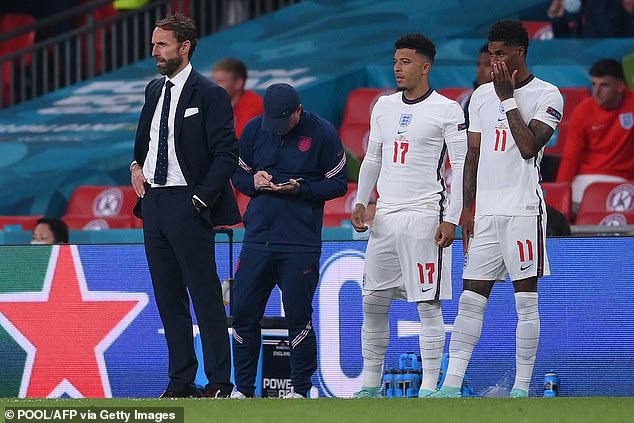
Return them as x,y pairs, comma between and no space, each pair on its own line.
8,23
559,196
27,223
243,202
101,201
539,30
339,209
91,223
605,218
113,206
355,125
608,197
572,97
458,94
555,146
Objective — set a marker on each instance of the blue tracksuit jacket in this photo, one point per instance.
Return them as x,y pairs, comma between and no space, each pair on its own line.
312,151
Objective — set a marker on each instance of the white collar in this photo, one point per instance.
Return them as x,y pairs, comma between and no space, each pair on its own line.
181,77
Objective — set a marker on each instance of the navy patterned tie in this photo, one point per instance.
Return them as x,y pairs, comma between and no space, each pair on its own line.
160,172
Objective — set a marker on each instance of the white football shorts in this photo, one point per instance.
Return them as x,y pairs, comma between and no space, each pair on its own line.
401,254
504,246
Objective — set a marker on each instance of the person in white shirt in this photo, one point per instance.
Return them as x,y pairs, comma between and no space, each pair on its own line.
511,119
408,254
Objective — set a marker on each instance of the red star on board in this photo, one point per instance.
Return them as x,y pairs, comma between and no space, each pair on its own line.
65,329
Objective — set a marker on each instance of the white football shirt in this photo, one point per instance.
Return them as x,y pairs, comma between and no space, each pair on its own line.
507,184
412,139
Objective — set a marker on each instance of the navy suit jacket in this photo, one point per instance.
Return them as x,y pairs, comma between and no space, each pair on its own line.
205,143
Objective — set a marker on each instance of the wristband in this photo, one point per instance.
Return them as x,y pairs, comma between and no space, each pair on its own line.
509,104
134,163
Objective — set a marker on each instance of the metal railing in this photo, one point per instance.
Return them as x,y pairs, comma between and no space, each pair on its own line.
99,45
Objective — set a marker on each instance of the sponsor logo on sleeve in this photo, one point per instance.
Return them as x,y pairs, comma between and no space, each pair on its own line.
553,112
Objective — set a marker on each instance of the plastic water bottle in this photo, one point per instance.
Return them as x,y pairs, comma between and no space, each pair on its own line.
399,383
551,384
412,383
388,383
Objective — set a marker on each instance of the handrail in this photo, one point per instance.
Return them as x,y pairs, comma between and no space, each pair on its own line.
101,46
59,17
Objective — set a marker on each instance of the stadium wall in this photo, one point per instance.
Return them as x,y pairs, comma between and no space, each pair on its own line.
81,321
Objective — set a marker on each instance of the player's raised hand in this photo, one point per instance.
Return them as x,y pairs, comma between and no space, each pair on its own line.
358,218
445,234
503,80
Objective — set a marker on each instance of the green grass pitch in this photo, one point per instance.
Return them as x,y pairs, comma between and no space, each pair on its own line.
468,410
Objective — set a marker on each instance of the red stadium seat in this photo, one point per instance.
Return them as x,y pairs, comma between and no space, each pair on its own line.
608,197
559,196
91,223
243,202
539,30
102,207
27,223
572,97
605,218
8,23
458,94
355,125
340,209
102,201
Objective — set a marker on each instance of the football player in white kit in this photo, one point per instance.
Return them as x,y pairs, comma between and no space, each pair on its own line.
511,119
409,254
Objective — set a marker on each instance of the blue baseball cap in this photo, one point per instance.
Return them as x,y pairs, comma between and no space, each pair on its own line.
280,102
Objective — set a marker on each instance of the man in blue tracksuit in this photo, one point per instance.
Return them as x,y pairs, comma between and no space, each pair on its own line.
291,162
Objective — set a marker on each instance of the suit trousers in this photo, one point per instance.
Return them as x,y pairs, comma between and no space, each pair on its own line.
180,250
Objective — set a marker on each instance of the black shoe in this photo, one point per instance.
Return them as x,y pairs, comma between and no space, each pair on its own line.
215,393
192,392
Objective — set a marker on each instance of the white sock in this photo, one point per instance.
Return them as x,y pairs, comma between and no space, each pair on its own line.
526,338
375,335
466,334
432,342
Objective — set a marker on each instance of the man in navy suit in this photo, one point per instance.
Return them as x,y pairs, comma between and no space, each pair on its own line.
184,155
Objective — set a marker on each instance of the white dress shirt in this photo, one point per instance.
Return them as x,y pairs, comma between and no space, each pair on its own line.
175,175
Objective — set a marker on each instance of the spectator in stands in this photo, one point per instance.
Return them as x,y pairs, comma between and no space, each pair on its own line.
564,17
591,18
483,75
50,231
282,238
600,140
231,74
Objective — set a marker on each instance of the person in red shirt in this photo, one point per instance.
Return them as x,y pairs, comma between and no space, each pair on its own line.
231,74
600,141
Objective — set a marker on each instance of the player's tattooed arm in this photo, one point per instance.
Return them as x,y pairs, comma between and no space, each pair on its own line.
469,183
531,138
470,171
